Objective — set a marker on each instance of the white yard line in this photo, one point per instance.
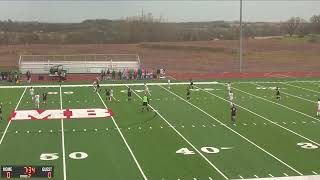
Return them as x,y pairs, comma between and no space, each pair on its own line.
62,141
293,132
277,104
125,141
300,87
203,156
299,97
7,127
290,94
243,137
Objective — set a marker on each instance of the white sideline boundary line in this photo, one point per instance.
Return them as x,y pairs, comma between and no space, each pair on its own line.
125,141
299,135
117,84
7,127
62,141
310,177
277,104
157,84
257,146
203,156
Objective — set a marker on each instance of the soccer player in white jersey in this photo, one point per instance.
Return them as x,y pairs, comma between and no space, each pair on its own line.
111,95
95,88
146,89
229,86
318,109
37,100
231,97
31,91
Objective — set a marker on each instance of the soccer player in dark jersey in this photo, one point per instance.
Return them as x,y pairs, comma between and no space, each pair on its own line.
107,94
233,113
44,98
278,93
1,111
129,94
191,84
188,93
98,86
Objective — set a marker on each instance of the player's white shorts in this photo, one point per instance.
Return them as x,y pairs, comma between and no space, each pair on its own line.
319,109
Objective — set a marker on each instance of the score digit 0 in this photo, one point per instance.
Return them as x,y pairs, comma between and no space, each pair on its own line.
49,175
8,175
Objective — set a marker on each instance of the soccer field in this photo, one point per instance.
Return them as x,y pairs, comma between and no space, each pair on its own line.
177,139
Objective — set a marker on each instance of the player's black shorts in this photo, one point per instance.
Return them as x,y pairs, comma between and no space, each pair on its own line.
129,95
145,104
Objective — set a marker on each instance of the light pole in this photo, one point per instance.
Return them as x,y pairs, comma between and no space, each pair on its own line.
240,52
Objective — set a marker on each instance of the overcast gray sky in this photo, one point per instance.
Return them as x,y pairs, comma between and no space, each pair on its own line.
172,11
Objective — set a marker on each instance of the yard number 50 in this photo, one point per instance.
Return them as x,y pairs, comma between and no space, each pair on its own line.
54,156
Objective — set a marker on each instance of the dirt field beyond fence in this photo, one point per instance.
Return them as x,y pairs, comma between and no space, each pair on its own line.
271,55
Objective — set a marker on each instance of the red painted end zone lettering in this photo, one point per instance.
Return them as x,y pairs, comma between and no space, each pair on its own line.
60,114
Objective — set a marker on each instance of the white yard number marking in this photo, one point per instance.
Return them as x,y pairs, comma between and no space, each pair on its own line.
52,92
208,150
78,155
307,145
184,151
54,156
49,156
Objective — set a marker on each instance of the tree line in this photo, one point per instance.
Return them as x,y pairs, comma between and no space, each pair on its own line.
302,27
146,28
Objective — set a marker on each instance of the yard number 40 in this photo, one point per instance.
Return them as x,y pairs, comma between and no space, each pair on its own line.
54,156
208,150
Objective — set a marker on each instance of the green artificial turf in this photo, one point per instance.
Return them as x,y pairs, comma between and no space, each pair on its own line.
176,139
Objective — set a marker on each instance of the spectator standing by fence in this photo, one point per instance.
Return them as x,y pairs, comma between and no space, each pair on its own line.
28,74
102,74
139,73
158,73
108,74
2,76
113,74
135,74
120,74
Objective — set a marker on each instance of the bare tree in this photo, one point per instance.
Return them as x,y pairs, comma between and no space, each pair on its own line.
304,28
315,22
291,25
